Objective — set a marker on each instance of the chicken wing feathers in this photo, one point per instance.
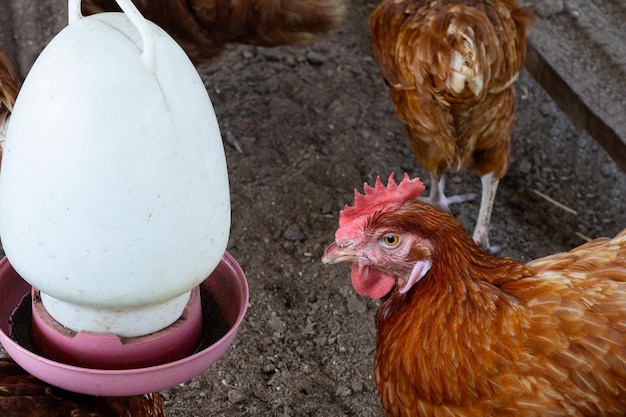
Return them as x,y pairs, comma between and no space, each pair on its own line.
577,340
23,395
9,87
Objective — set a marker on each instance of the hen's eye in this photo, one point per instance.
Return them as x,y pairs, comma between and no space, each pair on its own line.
390,241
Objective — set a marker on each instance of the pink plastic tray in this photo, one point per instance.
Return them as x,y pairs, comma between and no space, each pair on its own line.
228,286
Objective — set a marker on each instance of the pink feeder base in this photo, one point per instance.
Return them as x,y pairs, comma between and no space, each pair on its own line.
229,288
94,350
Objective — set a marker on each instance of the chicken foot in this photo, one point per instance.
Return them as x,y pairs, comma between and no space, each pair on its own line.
437,196
481,231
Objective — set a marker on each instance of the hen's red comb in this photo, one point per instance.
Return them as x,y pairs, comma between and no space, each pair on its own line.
376,199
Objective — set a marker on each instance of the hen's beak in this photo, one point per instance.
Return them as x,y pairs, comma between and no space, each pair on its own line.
335,254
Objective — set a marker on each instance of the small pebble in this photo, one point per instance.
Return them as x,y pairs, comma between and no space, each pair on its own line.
546,109
269,368
306,387
275,323
525,167
606,170
343,391
356,305
357,386
545,8
270,54
315,58
235,396
293,233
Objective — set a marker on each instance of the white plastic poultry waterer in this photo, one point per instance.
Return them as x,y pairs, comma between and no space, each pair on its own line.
114,198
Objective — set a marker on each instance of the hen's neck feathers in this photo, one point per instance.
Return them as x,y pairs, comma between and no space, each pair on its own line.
456,321
490,336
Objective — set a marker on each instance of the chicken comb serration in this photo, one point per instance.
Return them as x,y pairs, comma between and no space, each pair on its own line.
376,199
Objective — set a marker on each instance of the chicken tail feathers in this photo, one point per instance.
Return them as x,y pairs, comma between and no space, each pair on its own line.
466,45
460,52
476,50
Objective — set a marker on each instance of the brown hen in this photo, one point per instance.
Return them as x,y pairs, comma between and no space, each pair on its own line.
450,66
203,28
462,333
23,395
9,87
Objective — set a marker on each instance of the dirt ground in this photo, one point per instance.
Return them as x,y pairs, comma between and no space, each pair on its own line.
305,125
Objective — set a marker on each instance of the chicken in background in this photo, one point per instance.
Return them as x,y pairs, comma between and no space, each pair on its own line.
204,28
462,333
9,87
23,395
450,67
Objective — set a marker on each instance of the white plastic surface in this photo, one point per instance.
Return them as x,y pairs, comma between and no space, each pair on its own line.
113,190
128,322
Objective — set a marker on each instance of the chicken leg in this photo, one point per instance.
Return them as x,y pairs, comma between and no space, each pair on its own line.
437,195
481,231
438,198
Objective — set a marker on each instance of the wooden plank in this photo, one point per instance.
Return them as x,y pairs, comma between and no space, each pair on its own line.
578,55
574,106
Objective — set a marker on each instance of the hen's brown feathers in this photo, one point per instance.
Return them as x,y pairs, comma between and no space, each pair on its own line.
9,87
23,395
577,302
483,336
488,336
450,68
203,28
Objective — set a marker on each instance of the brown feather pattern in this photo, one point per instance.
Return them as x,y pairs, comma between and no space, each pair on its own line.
9,87
454,121
485,336
204,28
23,395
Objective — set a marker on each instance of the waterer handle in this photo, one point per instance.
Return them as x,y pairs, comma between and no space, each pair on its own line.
127,6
